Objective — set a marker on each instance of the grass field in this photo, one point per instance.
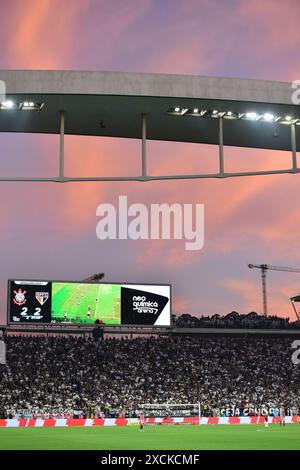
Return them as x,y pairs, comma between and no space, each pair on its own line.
207,437
76,299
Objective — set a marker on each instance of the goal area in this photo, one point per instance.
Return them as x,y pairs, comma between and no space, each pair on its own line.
171,410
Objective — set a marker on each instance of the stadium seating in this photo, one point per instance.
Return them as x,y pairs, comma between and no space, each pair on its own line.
61,376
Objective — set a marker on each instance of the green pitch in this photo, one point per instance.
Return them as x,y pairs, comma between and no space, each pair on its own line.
155,437
77,300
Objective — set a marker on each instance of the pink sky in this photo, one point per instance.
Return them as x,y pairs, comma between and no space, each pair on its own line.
48,231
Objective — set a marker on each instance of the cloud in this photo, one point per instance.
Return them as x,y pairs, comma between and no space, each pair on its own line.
44,33
278,296
180,305
51,228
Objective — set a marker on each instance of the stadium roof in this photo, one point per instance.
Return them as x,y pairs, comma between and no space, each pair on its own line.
296,298
209,110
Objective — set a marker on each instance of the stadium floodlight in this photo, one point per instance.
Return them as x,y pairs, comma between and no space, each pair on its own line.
178,111
151,99
9,104
287,120
30,106
231,115
268,117
251,115
25,105
94,278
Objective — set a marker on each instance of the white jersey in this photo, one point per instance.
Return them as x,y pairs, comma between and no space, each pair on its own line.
282,413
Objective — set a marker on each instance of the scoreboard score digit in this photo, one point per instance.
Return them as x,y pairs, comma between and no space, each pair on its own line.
84,303
29,301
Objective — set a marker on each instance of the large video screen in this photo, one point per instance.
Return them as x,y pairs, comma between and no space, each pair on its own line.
84,303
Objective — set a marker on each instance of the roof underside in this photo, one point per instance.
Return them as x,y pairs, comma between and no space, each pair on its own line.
111,104
296,298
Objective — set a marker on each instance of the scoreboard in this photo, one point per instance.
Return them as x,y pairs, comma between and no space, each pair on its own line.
84,303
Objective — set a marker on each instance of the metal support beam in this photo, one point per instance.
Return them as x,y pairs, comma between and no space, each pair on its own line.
144,149
264,290
294,147
221,146
58,179
144,177
62,145
295,310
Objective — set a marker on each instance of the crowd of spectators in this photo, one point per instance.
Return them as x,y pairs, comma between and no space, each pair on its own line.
235,320
62,376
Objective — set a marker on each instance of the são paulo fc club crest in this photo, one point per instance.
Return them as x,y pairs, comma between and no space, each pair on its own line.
41,297
20,298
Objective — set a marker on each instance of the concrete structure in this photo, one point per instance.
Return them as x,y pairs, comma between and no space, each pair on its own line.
209,110
145,330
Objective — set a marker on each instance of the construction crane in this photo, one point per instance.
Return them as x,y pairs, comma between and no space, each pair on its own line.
94,278
264,268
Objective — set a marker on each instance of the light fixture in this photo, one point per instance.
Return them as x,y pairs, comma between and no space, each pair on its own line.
8,104
214,113
24,105
268,117
286,120
30,106
251,115
231,115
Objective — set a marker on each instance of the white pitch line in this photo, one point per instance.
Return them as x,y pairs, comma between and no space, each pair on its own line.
98,297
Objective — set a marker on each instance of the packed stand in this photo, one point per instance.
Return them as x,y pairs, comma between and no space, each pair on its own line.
67,376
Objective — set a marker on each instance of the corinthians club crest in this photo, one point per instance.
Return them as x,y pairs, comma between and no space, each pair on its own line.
41,297
20,298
